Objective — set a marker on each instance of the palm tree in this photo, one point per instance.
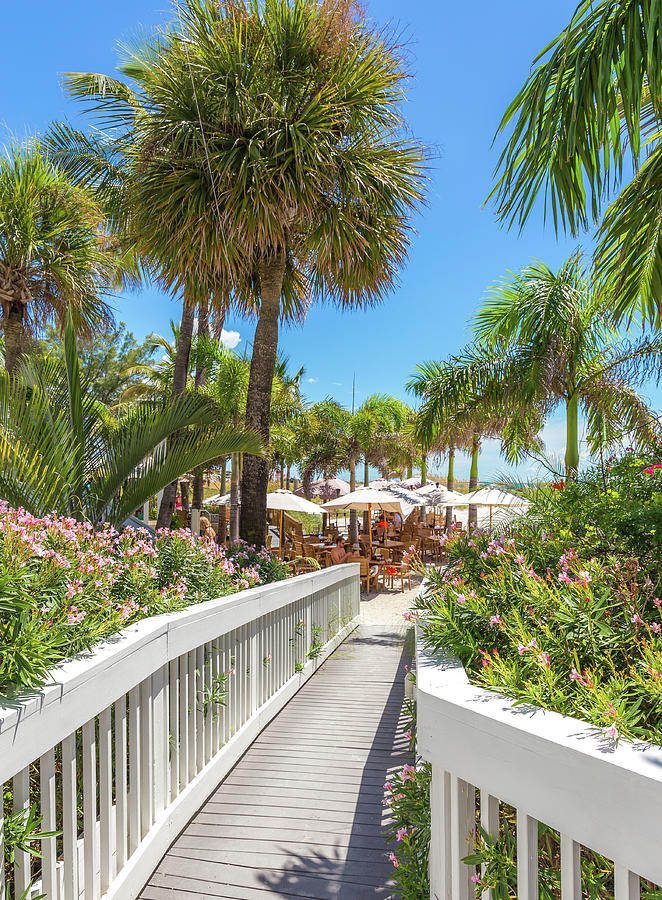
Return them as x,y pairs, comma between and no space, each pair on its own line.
60,449
548,342
278,189
53,258
453,413
594,99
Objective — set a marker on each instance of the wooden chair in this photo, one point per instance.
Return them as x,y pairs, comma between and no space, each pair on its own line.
366,576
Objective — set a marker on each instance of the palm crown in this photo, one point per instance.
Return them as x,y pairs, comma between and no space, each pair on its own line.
53,259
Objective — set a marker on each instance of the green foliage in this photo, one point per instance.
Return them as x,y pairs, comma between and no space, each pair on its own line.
407,796
563,611
107,360
65,587
61,449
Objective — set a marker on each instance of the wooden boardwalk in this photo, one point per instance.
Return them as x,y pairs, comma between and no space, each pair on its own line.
301,815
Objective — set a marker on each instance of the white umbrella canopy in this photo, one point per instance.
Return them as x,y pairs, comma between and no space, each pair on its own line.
366,498
410,500
442,497
326,488
218,500
289,502
491,496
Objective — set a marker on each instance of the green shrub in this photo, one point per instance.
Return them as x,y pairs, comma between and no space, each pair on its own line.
64,586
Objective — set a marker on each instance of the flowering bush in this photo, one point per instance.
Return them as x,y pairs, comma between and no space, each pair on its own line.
407,796
563,611
559,612
65,586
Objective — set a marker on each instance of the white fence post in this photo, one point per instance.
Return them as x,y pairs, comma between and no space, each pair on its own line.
440,835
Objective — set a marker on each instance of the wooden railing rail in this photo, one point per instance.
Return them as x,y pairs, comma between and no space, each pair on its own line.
117,754
485,751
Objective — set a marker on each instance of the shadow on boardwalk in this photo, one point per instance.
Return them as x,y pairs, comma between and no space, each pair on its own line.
300,816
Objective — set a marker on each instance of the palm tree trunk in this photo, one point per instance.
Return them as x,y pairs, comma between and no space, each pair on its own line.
255,479
200,380
282,474
410,470
353,523
182,357
234,498
450,485
572,436
222,520
288,477
14,331
366,482
424,467
473,479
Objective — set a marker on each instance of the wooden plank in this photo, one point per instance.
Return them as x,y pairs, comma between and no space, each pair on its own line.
107,837
571,871
527,857
21,801
69,813
626,884
48,821
91,853
121,784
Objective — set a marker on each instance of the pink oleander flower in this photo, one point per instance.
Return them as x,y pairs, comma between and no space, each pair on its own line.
655,627
585,577
611,732
461,599
544,659
657,601
394,860
496,620
401,834
409,735
636,619
408,616
75,615
387,786
475,878
408,772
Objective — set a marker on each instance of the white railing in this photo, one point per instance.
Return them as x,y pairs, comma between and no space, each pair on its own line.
552,769
117,755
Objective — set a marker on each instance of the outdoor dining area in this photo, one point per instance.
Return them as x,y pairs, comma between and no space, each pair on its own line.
393,521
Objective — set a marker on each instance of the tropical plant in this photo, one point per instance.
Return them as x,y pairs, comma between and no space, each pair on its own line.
60,449
594,99
66,585
453,411
547,341
109,360
53,257
305,181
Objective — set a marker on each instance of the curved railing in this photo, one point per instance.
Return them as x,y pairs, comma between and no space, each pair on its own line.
114,758
550,768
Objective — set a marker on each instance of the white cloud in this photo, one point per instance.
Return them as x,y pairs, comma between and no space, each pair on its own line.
313,380
230,339
337,383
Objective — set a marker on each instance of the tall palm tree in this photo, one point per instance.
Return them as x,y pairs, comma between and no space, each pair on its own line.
594,99
279,188
60,449
53,257
548,342
453,412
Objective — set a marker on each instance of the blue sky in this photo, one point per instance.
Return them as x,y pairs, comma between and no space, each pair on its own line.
467,64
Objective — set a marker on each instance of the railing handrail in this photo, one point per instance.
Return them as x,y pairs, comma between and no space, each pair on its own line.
90,682
557,769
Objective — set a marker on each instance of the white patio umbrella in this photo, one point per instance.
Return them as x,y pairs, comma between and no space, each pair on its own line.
286,501
366,498
218,500
492,496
